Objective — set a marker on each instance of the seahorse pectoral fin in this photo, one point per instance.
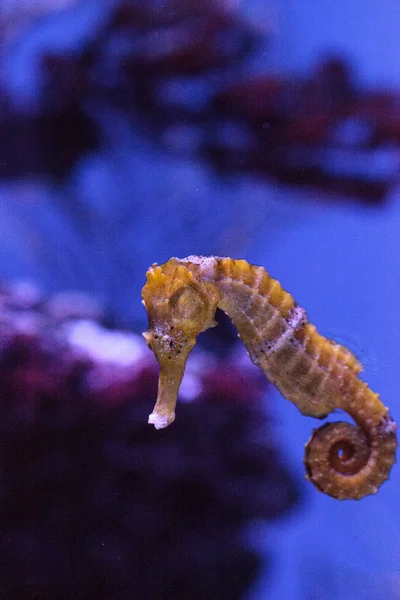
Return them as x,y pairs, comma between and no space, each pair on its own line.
168,386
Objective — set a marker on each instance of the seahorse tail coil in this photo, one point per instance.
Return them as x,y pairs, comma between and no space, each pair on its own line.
345,463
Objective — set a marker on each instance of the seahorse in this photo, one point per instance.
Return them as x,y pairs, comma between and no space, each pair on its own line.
318,375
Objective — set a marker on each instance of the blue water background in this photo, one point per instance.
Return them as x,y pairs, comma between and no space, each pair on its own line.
341,261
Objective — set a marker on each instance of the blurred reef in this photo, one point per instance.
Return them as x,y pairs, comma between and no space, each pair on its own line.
97,504
176,71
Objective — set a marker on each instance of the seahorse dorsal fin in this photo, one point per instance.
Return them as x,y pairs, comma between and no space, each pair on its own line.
347,357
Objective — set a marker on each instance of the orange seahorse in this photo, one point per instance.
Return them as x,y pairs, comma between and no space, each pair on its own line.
316,374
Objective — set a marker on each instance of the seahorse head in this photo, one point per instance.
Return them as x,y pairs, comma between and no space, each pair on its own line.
179,307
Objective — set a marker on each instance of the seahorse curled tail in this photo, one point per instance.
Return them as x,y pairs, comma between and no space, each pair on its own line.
352,461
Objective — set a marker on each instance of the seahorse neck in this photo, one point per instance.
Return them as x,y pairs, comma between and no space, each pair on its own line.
236,287
256,303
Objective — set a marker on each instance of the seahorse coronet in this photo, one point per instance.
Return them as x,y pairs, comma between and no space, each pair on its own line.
318,375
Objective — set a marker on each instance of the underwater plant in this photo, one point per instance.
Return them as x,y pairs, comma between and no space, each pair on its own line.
316,374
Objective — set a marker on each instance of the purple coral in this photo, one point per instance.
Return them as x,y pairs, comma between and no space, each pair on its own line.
94,502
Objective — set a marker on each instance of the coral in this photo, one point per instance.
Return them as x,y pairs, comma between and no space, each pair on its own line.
93,503
316,374
177,73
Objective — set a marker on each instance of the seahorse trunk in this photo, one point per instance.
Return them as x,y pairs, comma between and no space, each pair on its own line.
275,331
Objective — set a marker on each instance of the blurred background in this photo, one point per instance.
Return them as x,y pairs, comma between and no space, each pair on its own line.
131,132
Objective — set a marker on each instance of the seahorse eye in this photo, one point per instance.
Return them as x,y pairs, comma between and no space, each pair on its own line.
186,303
